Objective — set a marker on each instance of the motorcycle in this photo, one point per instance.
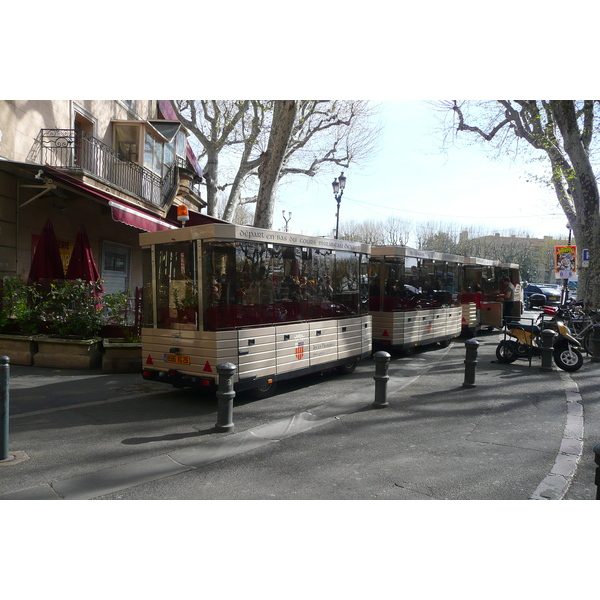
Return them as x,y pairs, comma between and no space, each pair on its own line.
526,341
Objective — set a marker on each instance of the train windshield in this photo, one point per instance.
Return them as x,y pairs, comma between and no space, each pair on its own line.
176,286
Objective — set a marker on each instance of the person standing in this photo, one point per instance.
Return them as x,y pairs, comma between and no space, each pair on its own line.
509,297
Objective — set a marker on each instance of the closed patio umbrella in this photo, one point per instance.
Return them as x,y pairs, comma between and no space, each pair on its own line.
46,263
82,264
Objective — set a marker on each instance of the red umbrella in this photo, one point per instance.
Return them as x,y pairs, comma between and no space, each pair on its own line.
82,264
46,263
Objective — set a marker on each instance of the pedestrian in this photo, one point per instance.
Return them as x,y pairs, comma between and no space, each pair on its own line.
509,297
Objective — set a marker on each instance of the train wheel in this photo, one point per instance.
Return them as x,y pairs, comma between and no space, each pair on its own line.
347,368
568,358
264,390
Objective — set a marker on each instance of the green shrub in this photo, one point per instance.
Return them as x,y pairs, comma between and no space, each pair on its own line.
73,309
22,306
114,308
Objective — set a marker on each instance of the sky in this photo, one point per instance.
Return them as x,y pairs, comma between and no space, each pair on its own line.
413,179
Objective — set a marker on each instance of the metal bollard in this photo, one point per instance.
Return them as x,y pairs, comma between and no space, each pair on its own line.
4,399
225,396
382,360
597,480
596,343
547,349
470,363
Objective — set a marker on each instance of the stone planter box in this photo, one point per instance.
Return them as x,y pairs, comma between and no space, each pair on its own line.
121,357
61,353
19,348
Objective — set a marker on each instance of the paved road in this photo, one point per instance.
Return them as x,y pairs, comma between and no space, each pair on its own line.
519,434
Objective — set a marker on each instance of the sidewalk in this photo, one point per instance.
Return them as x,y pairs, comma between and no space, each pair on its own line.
518,434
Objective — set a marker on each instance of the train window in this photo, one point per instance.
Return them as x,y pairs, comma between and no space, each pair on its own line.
148,303
472,282
452,282
375,282
489,284
177,286
345,283
254,283
408,283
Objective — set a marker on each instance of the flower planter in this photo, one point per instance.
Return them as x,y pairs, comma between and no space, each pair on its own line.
62,353
121,357
19,348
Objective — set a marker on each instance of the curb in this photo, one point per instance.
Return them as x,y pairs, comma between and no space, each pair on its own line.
556,484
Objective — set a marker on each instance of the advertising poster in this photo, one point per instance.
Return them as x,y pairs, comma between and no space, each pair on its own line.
565,262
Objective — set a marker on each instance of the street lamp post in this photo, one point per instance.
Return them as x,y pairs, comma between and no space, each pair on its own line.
286,220
338,191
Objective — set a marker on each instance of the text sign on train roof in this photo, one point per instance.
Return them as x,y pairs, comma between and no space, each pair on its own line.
281,237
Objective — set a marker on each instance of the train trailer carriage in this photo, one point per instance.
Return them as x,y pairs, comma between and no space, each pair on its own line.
414,296
482,298
276,305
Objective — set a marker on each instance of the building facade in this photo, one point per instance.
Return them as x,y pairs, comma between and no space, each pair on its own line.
116,167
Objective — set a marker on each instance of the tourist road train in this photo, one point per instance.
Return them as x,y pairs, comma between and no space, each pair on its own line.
278,305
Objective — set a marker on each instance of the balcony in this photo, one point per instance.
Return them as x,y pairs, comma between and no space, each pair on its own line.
75,150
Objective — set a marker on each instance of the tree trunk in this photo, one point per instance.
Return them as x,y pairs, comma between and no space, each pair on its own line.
211,174
284,115
584,191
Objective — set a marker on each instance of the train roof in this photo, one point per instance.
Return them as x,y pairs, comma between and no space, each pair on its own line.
414,253
231,232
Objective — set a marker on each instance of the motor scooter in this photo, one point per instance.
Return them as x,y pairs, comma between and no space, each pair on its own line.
525,341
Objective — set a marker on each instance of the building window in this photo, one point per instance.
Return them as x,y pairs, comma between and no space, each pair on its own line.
116,267
127,142
160,144
129,104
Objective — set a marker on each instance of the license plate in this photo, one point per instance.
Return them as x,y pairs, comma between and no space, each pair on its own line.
178,359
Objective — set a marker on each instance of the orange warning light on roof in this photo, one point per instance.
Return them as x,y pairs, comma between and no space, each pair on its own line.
182,214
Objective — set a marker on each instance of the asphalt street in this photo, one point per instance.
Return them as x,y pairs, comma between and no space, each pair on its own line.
519,434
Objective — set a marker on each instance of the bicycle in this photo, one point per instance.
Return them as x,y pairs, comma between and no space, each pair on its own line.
581,324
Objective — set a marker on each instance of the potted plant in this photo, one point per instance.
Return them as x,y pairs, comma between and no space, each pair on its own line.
185,299
122,349
19,321
71,311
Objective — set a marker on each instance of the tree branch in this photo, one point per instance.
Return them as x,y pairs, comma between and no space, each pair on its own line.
462,126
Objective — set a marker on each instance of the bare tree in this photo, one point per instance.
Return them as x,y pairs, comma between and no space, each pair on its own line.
272,161
234,135
220,125
367,231
397,231
565,134
386,232
440,237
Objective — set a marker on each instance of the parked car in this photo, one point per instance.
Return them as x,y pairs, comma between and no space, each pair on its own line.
537,296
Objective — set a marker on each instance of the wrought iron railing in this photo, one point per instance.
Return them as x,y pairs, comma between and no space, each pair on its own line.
76,149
